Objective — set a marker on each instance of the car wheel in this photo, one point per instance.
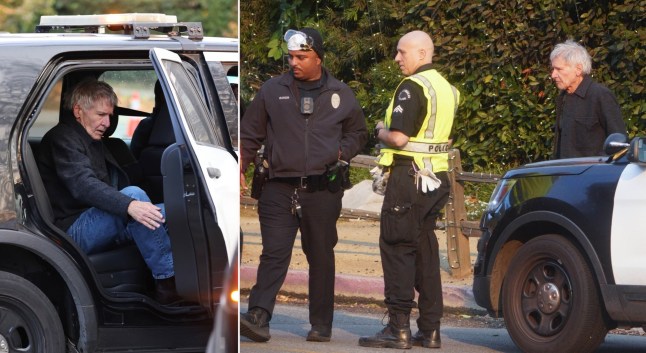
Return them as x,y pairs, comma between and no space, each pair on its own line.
28,320
550,300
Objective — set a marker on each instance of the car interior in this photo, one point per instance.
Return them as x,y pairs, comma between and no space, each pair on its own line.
121,270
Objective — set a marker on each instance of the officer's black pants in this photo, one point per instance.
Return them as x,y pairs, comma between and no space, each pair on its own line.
409,247
278,227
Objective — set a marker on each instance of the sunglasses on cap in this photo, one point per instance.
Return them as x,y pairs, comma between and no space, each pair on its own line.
297,40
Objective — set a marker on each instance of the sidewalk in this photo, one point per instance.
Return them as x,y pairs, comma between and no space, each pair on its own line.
358,265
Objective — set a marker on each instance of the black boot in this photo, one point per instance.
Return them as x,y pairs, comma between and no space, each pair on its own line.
319,334
395,335
428,340
165,291
255,324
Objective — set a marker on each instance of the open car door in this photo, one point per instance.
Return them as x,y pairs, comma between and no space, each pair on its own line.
201,181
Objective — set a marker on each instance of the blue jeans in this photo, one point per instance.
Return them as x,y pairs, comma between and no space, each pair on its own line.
97,230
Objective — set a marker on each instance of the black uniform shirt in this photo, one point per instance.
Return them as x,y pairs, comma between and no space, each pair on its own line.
409,109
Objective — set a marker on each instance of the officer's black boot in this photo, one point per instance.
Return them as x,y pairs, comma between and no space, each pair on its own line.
395,335
428,339
255,325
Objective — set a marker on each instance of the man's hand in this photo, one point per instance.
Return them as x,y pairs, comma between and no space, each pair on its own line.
146,213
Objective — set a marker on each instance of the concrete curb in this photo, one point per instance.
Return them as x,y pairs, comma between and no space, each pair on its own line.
360,286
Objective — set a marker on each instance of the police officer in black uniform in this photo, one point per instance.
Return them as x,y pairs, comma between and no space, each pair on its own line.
311,125
415,142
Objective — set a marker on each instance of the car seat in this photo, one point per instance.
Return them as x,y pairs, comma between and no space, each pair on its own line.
120,269
117,147
121,152
150,139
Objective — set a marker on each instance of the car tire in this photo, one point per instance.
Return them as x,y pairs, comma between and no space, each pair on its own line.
550,300
28,320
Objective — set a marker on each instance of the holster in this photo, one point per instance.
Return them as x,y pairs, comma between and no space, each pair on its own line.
338,176
260,177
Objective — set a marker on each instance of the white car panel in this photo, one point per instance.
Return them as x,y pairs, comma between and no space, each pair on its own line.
628,233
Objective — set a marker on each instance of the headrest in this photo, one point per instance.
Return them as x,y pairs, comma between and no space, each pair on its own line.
114,120
162,132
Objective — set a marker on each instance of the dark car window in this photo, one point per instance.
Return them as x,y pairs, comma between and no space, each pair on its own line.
194,109
227,97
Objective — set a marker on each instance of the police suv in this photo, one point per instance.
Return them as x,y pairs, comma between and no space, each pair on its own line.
561,256
53,297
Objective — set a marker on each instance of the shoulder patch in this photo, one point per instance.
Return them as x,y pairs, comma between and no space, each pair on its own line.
398,109
404,95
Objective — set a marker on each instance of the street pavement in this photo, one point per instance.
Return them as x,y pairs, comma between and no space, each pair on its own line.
290,324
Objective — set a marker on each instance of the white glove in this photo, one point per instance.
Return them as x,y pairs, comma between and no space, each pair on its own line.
428,180
379,180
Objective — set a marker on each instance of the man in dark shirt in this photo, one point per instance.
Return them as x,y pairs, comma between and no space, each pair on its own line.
586,111
90,196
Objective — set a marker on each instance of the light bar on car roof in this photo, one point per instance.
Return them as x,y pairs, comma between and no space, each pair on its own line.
106,20
137,24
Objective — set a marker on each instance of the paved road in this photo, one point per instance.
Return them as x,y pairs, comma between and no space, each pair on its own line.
289,327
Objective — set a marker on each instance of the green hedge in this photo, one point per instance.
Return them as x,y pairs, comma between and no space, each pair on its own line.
496,52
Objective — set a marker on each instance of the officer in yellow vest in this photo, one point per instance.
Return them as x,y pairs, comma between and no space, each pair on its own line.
415,142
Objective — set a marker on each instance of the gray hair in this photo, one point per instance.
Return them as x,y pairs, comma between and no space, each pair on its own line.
573,53
89,91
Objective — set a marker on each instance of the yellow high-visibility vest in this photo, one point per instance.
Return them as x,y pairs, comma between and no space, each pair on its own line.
431,144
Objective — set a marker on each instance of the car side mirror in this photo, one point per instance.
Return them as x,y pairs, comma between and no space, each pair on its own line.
615,143
637,150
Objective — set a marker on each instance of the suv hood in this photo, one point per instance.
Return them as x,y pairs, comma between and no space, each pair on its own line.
571,166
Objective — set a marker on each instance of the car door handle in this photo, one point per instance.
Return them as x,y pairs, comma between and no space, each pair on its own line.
214,172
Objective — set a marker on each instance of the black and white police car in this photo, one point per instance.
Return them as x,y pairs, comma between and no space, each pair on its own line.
561,256
53,297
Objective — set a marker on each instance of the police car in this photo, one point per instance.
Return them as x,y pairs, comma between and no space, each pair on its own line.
561,256
53,297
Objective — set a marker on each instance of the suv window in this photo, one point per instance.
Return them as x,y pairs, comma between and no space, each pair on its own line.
193,108
49,114
136,90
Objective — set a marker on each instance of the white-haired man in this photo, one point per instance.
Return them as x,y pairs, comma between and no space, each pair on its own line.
586,111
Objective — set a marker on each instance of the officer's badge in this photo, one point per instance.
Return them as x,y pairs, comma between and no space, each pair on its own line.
336,100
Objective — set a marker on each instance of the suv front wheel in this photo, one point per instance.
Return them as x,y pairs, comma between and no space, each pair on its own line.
28,320
550,300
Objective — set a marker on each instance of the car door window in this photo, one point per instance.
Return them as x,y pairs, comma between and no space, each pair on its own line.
193,108
227,97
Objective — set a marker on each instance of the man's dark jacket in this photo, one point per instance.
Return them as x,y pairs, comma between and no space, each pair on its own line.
584,119
296,144
79,173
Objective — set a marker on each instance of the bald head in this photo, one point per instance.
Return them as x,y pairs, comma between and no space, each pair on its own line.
414,50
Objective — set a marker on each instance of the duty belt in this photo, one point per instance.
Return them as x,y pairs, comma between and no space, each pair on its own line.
301,182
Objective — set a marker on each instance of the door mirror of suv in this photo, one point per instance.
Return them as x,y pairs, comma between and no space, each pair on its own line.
637,150
614,143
